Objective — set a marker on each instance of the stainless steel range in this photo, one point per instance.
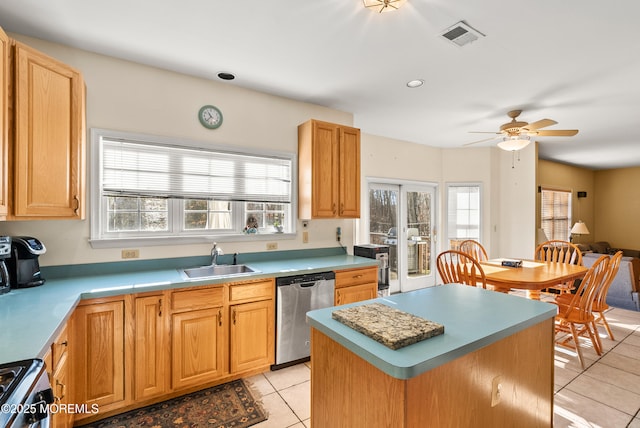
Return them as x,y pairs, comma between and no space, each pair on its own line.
25,394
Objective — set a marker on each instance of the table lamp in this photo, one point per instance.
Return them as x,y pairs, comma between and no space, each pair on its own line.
579,228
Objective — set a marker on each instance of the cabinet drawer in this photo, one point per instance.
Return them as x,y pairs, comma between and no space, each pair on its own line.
346,278
59,347
251,291
196,299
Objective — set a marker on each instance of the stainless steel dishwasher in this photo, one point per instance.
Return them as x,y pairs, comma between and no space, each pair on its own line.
295,296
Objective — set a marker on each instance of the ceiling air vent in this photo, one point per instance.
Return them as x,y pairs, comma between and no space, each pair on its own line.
461,34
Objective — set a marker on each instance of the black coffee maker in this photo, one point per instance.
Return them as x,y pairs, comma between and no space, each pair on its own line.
24,269
5,253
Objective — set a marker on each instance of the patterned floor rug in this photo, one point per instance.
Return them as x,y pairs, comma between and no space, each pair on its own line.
231,405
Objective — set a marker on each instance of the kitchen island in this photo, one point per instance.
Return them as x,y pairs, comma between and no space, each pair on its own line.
493,366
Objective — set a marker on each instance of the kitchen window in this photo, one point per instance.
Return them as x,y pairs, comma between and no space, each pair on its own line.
158,188
463,213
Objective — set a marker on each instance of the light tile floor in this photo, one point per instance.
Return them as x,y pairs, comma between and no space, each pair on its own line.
606,394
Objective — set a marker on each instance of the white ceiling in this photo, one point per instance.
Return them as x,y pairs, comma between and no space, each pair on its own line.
573,61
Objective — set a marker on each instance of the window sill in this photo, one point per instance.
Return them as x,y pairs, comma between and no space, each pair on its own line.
185,240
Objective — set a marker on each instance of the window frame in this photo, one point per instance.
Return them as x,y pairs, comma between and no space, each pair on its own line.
118,240
569,218
448,186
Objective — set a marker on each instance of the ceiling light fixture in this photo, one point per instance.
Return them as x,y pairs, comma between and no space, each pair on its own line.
383,5
415,83
514,143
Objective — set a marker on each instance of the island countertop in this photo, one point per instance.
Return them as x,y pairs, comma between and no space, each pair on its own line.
472,318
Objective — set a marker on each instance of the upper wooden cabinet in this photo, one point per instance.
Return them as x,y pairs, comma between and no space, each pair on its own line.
48,136
4,124
328,170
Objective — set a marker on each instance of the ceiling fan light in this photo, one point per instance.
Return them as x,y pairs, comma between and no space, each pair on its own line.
380,6
517,142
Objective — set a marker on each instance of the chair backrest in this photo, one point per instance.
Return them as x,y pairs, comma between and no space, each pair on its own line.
474,249
456,267
600,298
582,302
559,251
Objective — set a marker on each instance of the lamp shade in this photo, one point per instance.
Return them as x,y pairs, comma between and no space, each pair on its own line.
541,236
579,228
380,6
516,142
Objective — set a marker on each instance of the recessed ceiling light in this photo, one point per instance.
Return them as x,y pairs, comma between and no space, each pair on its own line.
415,83
226,76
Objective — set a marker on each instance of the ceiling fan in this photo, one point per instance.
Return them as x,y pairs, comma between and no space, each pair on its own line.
516,135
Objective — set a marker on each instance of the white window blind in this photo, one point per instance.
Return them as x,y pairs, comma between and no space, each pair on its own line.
156,170
555,213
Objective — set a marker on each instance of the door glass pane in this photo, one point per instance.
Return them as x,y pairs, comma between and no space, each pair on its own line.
383,223
418,233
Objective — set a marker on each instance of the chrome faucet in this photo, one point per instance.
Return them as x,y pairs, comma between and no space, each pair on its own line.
215,252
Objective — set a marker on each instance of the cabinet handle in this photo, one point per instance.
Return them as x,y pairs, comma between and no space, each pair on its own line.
341,208
77,208
233,317
160,307
220,317
64,343
62,391
334,208
357,276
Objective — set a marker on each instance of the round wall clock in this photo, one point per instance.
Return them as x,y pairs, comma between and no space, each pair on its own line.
210,117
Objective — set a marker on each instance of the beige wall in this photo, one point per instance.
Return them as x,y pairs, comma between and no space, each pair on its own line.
126,96
617,207
559,176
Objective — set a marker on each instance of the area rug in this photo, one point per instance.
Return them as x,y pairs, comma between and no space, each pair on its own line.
231,405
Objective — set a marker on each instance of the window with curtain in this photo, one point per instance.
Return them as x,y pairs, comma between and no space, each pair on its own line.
555,215
463,213
151,188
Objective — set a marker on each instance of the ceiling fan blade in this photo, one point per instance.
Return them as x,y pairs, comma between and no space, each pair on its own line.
556,133
480,141
539,124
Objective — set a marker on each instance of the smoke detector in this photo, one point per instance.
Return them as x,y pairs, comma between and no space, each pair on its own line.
461,34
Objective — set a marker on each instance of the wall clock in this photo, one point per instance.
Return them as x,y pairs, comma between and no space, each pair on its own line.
210,117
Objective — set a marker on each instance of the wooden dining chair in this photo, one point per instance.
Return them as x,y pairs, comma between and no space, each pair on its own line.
576,319
600,299
474,249
559,252
456,267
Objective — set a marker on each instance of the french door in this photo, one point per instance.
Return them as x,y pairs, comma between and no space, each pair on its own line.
402,216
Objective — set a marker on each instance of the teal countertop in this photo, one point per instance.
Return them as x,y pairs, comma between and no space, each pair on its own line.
472,318
31,318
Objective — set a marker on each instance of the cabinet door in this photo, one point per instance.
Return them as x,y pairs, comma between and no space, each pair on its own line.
4,124
252,335
197,347
60,386
150,353
49,137
98,354
355,293
349,173
325,170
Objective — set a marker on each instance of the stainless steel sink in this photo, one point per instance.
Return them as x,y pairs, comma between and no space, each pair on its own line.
213,271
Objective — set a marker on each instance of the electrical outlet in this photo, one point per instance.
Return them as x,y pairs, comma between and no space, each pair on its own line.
496,391
130,254
305,237
272,245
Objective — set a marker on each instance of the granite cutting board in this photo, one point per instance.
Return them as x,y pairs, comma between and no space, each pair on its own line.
391,327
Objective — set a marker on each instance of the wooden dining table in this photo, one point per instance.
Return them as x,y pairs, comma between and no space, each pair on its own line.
533,276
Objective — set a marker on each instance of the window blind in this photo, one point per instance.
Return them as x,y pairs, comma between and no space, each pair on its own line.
155,170
463,212
555,213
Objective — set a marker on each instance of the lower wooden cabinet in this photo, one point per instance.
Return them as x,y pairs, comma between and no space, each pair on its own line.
198,347
98,354
252,335
150,372
354,285
57,365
